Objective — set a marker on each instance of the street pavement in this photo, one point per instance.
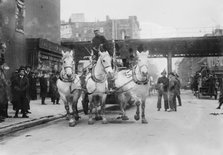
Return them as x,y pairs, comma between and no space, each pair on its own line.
39,114
195,129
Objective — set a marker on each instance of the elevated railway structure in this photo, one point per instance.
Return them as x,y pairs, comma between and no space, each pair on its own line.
208,46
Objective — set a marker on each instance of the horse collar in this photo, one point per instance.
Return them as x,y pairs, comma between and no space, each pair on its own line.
136,80
94,77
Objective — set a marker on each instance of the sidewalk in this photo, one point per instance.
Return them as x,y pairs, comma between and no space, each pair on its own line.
39,114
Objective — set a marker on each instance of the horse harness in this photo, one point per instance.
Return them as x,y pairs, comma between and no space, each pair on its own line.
70,80
138,82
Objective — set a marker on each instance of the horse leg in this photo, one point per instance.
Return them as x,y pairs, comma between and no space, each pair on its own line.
66,105
75,102
137,117
144,121
123,102
102,100
90,120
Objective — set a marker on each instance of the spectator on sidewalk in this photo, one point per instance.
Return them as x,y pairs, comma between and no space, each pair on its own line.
178,90
220,100
29,76
43,87
20,87
172,92
12,90
162,86
3,93
55,94
33,87
50,85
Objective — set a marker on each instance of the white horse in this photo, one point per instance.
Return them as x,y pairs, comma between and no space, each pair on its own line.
133,85
97,85
69,87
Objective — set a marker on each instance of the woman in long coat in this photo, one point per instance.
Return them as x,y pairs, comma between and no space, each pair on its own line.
33,87
20,88
54,90
43,87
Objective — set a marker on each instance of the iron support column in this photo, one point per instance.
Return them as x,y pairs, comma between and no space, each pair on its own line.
169,62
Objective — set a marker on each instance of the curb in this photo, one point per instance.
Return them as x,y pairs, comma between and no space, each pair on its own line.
34,122
28,124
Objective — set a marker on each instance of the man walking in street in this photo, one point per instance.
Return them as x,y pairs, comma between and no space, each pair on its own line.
178,85
162,86
43,87
172,92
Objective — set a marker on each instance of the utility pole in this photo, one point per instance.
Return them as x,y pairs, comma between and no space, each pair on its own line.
169,62
113,43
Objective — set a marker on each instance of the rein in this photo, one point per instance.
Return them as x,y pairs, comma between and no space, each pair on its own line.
62,77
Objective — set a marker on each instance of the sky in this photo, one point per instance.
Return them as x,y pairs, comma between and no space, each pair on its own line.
157,18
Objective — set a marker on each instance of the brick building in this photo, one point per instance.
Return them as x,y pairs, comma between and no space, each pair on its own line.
20,20
42,19
116,29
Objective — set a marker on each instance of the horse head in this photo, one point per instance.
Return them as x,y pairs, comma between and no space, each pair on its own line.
68,63
105,60
142,62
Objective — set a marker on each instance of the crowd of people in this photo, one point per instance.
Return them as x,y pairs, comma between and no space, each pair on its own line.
22,87
168,89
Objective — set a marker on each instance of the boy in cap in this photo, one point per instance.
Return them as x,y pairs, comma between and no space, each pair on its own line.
162,83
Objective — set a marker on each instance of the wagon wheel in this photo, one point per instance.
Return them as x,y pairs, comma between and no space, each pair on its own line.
199,95
85,102
215,97
216,94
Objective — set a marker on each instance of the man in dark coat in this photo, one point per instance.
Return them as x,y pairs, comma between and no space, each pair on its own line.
43,87
33,86
3,94
99,42
178,90
172,92
29,77
162,86
54,90
20,88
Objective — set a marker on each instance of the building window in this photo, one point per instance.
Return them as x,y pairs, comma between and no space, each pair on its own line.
101,29
77,25
77,34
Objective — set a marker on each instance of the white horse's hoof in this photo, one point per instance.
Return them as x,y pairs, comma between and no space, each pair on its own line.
77,118
144,121
97,118
72,123
125,118
67,117
90,122
104,121
136,117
